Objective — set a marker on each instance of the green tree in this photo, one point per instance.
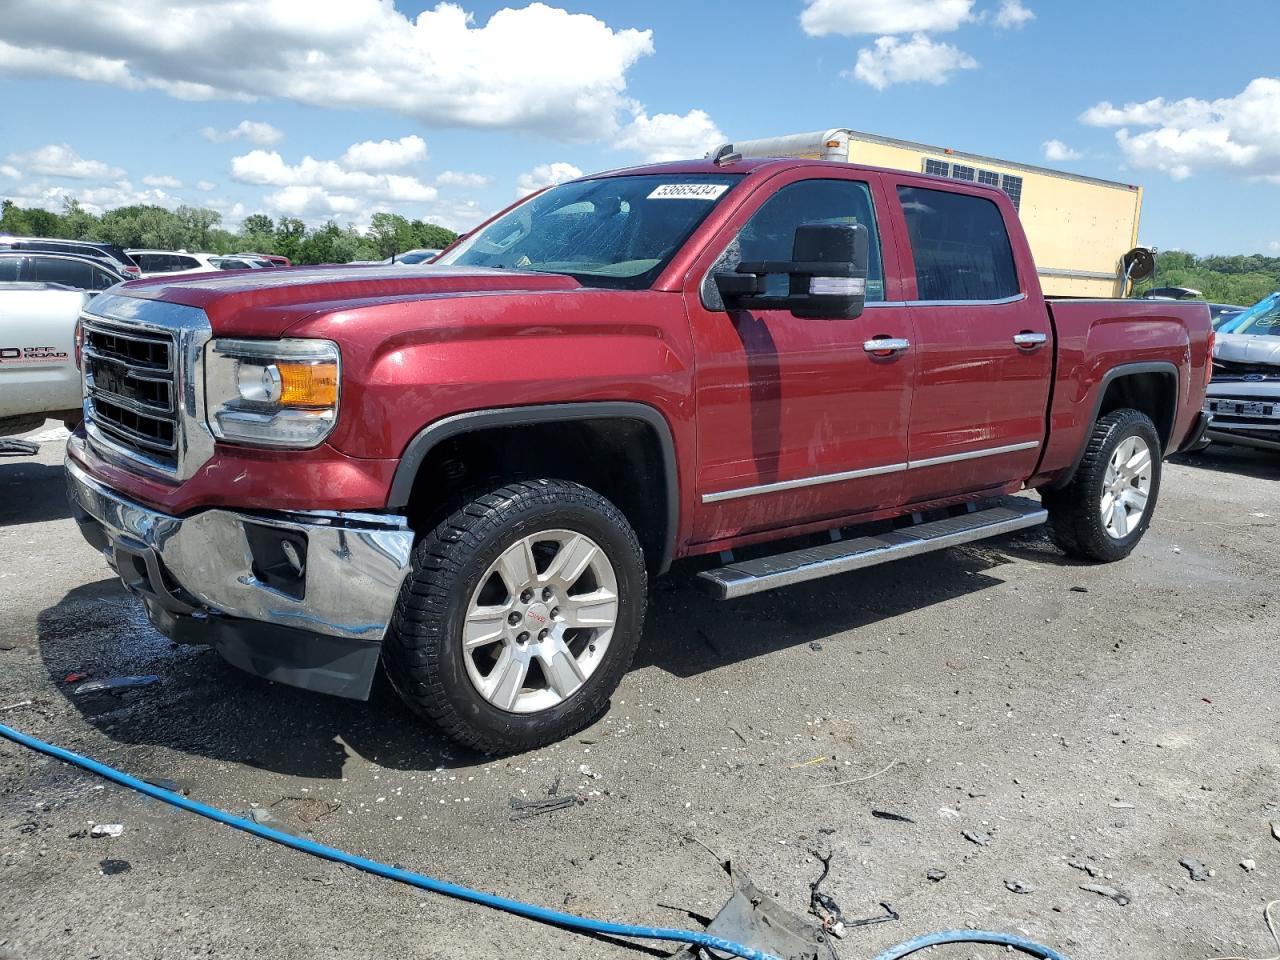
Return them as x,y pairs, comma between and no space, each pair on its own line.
197,222
290,232
12,219
77,223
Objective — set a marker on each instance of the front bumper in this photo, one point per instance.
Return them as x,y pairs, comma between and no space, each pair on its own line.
310,614
1244,413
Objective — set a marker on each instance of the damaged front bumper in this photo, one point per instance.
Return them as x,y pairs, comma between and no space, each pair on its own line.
300,598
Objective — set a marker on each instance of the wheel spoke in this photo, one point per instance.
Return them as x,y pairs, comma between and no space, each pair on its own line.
561,668
1136,500
1120,519
505,681
599,608
484,625
1108,503
571,561
1137,463
516,566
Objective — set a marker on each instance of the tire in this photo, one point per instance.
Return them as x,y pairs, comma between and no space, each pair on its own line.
1076,519
473,564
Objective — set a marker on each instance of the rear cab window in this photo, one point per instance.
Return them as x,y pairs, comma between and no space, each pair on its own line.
960,246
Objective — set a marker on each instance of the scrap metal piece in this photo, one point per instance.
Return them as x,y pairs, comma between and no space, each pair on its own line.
750,917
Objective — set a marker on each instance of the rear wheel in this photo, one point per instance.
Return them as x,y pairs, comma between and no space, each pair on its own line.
1105,510
520,616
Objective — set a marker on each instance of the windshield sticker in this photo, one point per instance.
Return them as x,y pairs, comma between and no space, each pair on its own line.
688,191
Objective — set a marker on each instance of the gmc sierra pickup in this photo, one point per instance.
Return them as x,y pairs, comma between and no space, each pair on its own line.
468,470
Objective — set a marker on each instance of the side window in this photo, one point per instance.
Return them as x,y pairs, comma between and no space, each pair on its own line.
70,273
184,263
770,233
102,279
960,246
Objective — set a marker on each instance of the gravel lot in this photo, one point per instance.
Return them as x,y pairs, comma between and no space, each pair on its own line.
1120,717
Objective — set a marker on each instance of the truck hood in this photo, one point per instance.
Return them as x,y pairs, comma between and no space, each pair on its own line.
265,303
1240,348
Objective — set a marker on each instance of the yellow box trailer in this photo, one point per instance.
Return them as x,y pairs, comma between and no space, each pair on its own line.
1078,227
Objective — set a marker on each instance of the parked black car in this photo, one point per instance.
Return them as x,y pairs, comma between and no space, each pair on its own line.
111,252
63,269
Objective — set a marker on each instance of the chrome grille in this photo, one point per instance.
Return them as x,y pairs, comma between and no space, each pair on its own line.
129,383
144,384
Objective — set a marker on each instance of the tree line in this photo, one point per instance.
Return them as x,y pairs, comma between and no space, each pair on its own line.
1242,279
199,229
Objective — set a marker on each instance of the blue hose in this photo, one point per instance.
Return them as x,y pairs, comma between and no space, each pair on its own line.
527,910
970,936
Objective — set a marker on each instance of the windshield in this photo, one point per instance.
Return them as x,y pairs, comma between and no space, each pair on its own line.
611,232
1262,319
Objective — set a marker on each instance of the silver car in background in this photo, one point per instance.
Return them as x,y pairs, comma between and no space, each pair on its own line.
1243,401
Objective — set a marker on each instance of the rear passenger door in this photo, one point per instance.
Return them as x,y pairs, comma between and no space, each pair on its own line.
983,345
63,270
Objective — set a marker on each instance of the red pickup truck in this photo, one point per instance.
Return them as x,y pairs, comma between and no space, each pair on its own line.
468,470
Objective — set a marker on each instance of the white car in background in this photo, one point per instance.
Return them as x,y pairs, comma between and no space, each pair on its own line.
163,263
412,257
39,378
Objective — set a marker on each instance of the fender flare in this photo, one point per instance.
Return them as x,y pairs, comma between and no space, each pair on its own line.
1165,367
435,433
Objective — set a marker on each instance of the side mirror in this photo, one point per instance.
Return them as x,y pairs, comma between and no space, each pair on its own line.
828,275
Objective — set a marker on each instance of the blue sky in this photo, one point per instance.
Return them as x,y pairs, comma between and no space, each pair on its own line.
144,100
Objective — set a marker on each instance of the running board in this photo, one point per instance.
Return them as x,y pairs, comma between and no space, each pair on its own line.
785,569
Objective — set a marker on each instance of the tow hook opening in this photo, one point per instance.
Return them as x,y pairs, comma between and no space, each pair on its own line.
279,558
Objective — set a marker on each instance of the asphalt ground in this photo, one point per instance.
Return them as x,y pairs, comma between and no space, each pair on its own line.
1105,719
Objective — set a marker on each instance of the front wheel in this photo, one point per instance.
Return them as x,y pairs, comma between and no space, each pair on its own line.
520,617
1106,508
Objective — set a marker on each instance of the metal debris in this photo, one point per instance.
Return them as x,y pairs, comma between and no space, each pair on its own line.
890,815
113,684
976,836
1119,896
524,809
1088,868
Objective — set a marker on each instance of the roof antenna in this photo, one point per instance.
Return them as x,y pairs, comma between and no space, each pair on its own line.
724,154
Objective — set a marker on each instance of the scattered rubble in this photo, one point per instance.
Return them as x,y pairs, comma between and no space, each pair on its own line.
106,830
935,875
1197,869
1017,886
976,836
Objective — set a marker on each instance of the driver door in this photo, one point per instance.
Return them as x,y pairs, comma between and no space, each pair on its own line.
797,420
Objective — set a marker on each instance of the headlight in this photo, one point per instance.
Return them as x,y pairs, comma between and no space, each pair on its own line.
276,393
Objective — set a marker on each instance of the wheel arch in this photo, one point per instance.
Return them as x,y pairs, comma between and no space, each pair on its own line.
1151,387
589,419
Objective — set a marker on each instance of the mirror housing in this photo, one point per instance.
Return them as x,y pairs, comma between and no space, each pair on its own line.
828,275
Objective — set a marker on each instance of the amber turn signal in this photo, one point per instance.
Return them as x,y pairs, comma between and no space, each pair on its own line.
308,384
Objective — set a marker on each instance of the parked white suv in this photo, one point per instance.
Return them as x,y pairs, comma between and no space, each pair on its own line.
162,263
38,375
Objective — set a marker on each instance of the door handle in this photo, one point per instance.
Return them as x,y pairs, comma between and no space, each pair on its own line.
886,346
1028,340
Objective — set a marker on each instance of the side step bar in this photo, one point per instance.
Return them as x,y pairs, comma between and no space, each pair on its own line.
810,563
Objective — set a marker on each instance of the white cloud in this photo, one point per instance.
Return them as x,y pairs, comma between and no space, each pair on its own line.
205,185
918,60
851,17
669,136
1058,152
59,160
538,67
169,183
310,202
1012,14
1239,135
251,131
1274,246
96,199
11,172
544,175
318,188
384,154
457,178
